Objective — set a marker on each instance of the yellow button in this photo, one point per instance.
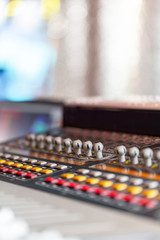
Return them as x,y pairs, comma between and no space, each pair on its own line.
92,180
26,167
67,175
79,178
46,171
36,169
134,189
119,186
150,193
17,165
9,163
105,184
2,161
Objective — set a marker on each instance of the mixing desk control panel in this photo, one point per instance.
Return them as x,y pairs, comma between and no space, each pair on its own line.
112,169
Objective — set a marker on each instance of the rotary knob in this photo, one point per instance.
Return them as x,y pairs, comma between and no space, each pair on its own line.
77,145
121,152
133,153
58,144
67,143
87,146
147,155
98,148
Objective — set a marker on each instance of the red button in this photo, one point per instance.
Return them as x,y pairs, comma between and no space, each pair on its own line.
84,187
78,186
65,184
33,176
72,185
151,204
143,201
59,182
28,175
20,173
1,168
90,189
98,191
112,194
119,196
12,171
127,197
4,169
104,192
134,200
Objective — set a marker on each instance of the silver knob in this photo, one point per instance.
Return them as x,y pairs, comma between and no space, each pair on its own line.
77,145
67,143
133,153
98,148
58,144
157,156
121,152
40,141
49,142
147,155
87,146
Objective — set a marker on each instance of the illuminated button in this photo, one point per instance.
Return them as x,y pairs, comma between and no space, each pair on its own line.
95,173
151,184
84,188
12,171
46,171
22,159
134,190
20,173
26,167
50,165
30,175
4,169
121,178
61,167
72,184
136,181
51,180
2,161
17,165
105,184
1,168
82,171
112,194
150,193
80,178
108,176
9,163
92,180
36,169
31,161
60,181
119,186
143,201
151,204
41,163
67,175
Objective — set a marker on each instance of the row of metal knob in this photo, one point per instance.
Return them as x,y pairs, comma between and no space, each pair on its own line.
146,154
59,144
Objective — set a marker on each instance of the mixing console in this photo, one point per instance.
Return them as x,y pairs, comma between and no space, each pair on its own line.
117,170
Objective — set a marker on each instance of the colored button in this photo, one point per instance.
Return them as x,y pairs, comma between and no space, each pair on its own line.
49,179
17,165
143,201
79,178
127,197
60,181
104,192
26,167
151,204
2,161
112,194
46,171
119,186
31,175
20,173
36,169
150,193
72,185
98,191
84,187
4,169
1,168
92,180
105,184
9,163
67,175
134,189
12,171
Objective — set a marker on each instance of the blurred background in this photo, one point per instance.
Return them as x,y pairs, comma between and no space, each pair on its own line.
74,48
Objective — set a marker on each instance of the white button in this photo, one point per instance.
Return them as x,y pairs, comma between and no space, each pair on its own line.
14,157
95,173
122,178
41,163
22,159
82,171
61,167
108,175
136,181
151,184
31,161
50,165
7,155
